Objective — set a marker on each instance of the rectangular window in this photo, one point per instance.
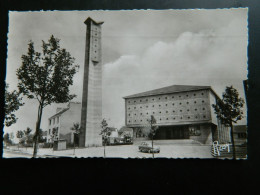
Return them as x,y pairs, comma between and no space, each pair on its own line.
57,119
49,122
53,120
241,135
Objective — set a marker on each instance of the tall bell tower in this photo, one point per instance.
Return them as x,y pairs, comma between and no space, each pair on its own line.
91,111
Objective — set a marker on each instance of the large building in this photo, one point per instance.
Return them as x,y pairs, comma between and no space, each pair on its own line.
62,121
240,134
91,111
181,112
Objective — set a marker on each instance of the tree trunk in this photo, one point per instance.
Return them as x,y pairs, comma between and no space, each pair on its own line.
233,142
38,123
152,146
74,146
105,150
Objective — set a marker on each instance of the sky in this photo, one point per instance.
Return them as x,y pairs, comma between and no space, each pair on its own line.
141,50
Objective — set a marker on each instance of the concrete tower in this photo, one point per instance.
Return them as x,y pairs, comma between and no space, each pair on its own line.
91,111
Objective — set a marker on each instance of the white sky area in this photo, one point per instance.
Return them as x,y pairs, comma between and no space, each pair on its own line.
141,50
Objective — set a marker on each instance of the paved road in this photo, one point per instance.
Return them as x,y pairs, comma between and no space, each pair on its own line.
8,154
122,151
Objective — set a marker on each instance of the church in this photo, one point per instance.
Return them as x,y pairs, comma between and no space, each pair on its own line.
181,112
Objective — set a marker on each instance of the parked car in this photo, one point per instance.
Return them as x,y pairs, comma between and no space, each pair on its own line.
147,147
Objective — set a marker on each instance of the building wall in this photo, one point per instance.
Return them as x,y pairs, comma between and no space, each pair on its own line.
170,109
182,108
67,119
240,139
206,134
53,123
223,133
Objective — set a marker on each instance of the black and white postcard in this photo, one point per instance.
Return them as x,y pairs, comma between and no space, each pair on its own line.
127,84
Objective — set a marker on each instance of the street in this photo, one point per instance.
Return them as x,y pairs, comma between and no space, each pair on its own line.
120,151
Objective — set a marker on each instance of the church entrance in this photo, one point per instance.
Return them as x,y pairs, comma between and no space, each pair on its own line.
172,132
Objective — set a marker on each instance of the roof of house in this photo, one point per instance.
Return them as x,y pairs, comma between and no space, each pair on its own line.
170,89
63,109
125,129
59,113
112,128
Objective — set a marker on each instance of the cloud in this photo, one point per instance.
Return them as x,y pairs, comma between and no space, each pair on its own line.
193,59
142,50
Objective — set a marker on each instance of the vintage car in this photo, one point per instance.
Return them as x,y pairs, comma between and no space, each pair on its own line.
147,147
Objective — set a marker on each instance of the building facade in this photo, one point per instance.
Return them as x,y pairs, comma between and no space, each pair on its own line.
62,121
240,134
181,112
91,111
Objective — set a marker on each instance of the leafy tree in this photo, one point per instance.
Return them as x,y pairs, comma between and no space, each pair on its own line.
40,137
46,77
153,129
27,132
30,139
54,134
20,136
76,131
229,110
27,136
105,132
11,137
12,104
7,139
127,138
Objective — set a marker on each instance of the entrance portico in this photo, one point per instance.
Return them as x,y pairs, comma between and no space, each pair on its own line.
172,132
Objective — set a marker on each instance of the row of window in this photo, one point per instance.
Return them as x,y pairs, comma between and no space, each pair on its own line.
166,105
52,121
166,111
160,119
54,131
241,135
159,98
